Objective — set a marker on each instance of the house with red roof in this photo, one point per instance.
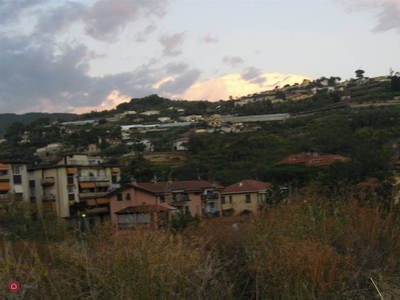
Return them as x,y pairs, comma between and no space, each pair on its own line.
313,160
153,204
244,196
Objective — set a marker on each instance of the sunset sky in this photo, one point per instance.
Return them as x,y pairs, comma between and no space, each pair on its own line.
78,56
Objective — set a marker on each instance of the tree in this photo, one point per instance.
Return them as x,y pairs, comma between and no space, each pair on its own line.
280,95
395,82
360,73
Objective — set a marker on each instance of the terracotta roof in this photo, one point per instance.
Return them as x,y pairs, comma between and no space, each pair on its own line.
313,160
183,139
325,160
166,187
246,186
142,209
188,186
296,158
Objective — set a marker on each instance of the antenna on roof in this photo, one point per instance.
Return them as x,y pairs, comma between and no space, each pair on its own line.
170,177
198,174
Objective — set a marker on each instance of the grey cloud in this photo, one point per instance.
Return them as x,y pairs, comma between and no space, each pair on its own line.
388,18
11,10
175,68
259,81
209,40
232,61
251,73
38,76
387,12
107,18
181,83
59,18
171,43
141,36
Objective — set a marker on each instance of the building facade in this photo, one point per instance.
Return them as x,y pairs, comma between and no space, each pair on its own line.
14,184
246,196
74,187
140,204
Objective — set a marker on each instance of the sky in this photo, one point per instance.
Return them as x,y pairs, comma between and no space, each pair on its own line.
91,55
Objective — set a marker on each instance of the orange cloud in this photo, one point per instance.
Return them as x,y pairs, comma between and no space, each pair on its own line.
234,85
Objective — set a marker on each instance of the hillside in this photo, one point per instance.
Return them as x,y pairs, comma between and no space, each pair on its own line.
7,119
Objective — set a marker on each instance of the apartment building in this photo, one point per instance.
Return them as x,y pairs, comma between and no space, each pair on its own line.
151,204
74,187
13,181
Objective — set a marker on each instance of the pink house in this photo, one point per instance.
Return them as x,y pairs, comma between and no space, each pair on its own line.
152,204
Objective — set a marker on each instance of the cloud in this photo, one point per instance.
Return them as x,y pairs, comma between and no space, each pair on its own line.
11,10
387,12
176,68
171,43
106,19
232,61
141,36
251,74
181,83
58,18
207,39
40,76
235,85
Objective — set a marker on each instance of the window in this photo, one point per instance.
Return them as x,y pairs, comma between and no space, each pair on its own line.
187,211
223,201
70,179
230,199
143,218
128,196
98,173
17,177
173,197
71,193
248,199
162,198
119,197
114,178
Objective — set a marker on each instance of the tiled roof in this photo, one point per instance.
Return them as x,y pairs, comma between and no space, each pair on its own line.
313,160
183,139
296,158
188,186
246,186
325,160
142,209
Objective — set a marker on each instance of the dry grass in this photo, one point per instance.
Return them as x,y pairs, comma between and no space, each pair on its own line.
308,249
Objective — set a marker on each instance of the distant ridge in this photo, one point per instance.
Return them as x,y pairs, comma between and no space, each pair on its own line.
7,119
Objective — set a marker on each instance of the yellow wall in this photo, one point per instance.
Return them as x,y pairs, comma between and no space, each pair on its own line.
239,202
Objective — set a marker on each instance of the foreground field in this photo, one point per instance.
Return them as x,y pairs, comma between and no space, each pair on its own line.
311,248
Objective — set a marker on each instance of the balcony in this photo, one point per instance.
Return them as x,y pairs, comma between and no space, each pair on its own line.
179,200
47,198
213,196
93,178
93,195
47,181
211,212
5,177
